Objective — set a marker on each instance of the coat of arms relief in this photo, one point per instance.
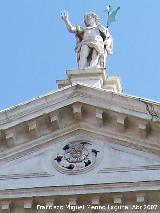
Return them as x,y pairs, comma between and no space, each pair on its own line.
75,157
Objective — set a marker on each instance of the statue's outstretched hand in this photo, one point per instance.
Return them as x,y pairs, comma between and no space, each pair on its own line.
64,16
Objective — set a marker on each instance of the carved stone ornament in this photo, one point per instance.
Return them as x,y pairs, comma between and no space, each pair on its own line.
76,157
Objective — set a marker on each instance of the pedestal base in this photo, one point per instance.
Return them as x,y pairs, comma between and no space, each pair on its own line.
95,77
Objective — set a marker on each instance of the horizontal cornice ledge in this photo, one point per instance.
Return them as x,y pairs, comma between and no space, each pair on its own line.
85,189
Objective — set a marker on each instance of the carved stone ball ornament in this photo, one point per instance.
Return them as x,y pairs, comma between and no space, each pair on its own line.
76,157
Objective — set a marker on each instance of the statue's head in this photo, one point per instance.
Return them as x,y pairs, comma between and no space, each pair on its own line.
91,19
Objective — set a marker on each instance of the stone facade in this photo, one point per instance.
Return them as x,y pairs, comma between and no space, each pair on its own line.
84,146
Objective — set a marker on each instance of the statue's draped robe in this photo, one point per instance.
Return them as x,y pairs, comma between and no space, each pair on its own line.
103,44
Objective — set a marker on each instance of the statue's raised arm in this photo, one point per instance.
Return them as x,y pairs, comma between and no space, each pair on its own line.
70,27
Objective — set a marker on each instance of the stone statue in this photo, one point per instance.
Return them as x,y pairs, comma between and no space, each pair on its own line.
94,41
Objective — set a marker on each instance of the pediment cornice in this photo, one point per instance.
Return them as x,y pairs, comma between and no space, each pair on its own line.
78,93
79,131
124,118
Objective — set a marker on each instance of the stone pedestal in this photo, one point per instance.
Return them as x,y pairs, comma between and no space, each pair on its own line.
91,77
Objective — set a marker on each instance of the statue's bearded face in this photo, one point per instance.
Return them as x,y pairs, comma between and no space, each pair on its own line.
89,20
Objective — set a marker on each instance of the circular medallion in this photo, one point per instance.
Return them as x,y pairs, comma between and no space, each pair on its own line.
76,157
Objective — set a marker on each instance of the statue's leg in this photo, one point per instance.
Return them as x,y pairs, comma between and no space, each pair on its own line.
104,59
95,57
84,52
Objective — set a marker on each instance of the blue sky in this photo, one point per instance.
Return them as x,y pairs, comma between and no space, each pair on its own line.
36,49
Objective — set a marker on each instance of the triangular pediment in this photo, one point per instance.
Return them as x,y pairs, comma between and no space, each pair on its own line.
112,163
121,140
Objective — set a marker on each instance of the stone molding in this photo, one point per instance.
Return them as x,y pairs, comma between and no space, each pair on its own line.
103,199
21,176
128,169
76,190
145,127
43,105
101,133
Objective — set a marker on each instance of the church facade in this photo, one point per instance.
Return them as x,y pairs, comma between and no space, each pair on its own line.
86,147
